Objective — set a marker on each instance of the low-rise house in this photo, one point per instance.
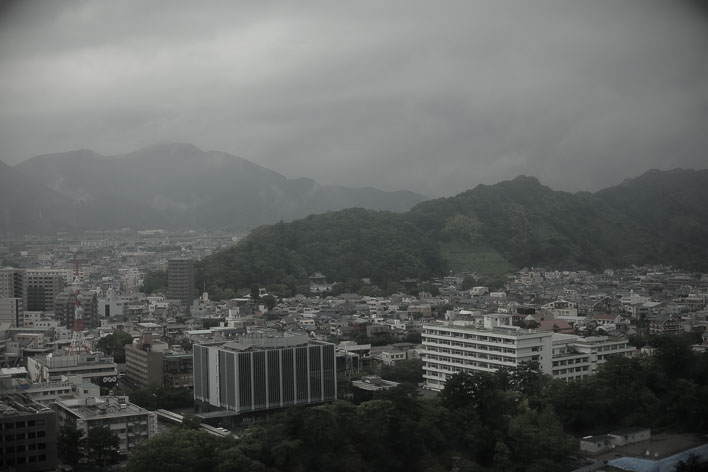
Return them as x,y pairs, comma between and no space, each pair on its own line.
605,442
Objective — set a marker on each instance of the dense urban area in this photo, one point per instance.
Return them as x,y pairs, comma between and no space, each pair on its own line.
114,354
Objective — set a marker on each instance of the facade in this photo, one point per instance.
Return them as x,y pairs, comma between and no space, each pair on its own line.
95,367
129,422
153,363
180,280
41,287
576,357
485,345
28,435
12,283
49,392
259,373
490,342
68,304
11,311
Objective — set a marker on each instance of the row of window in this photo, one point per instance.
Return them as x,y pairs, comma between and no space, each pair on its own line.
584,368
468,354
571,361
23,424
25,460
470,345
483,365
22,436
476,337
21,448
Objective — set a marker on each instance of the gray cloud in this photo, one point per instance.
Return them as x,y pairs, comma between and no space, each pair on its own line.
429,96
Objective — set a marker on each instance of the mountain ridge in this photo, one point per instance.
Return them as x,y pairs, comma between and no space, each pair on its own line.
487,229
177,185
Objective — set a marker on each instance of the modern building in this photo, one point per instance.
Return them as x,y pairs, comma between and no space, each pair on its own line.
261,372
11,311
71,306
576,357
485,344
129,422
154,363
92,366
41,287
28,435
489,342
12,283
49,392
180,280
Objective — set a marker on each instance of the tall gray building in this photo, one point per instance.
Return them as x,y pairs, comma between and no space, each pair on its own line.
41,287
261,372
180,280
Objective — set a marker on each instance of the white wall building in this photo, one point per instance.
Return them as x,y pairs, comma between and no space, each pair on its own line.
489,342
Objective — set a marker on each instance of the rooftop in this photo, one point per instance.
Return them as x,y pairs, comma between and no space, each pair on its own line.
13,404
97,407
267,341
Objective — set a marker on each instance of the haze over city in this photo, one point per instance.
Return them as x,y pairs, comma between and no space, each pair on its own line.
429,97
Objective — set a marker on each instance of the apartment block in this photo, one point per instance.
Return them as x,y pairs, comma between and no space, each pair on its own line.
489,342
28,435
129,422
41,287
484,344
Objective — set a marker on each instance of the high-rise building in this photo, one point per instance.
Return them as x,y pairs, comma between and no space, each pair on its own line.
70,306
41,287
262,372
11,311
180,280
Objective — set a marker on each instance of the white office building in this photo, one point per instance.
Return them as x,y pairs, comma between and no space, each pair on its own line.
487,343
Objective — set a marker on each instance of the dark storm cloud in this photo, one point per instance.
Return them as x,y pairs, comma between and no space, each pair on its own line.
430,96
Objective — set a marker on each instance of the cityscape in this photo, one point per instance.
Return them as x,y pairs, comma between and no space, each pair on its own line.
367,237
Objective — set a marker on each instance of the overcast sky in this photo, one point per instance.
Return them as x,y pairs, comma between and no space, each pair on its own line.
429,96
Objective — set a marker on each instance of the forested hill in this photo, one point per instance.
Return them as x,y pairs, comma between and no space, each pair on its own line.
659,217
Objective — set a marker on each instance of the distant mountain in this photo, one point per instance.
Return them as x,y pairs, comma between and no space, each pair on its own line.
181,186
29,207
660,217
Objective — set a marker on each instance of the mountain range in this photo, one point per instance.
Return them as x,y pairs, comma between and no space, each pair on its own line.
171,186
659,217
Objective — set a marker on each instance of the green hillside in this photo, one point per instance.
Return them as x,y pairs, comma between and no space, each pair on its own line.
489,229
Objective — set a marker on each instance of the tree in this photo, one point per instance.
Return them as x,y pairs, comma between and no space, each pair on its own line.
269,301
408,370
255,292
114,345
190,422
178,450
101,446
154,281
69,445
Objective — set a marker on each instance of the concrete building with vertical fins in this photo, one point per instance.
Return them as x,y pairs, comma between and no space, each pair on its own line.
264,372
